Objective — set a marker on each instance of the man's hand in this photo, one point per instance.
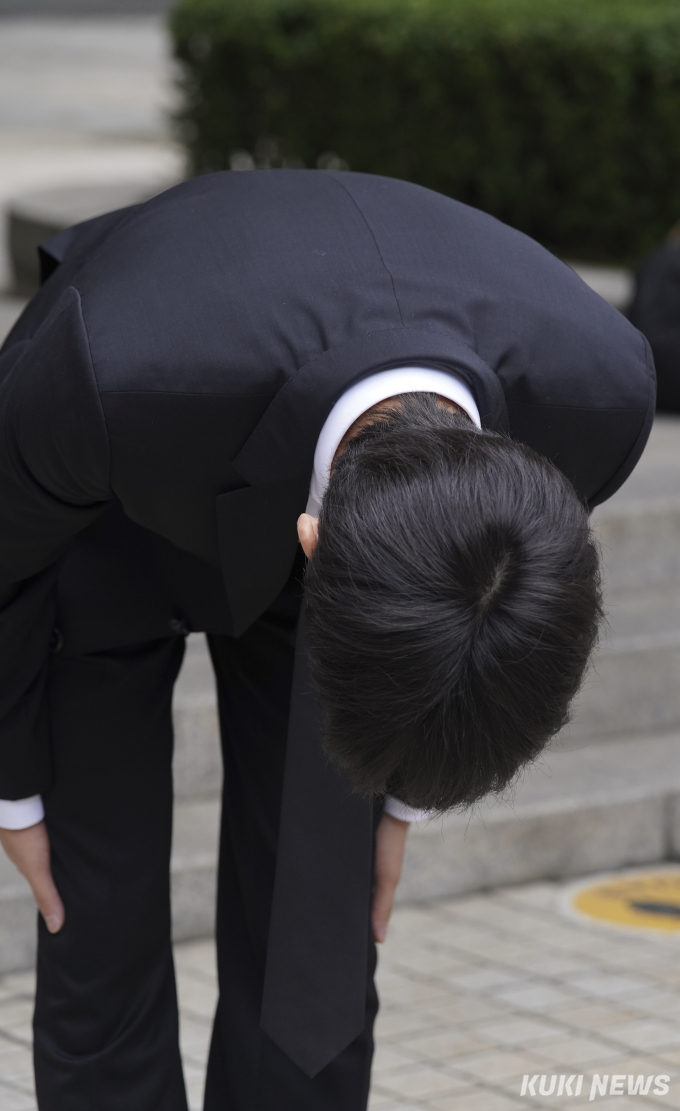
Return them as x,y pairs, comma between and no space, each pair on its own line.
390,842
29,851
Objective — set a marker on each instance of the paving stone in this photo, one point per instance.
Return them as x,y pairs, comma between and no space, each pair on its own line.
477,1101
483,979
15,1012
408,993
380,1101
194,1079
394,1024
470,1047
645,1034
425,961
447,1045
621,1103
534,996
517,1030
388,1103
194,1039
16,1067
594,1016
462,1008
197,998
501,1065
605,986
390,1057
578,1053
11,1099
420,1083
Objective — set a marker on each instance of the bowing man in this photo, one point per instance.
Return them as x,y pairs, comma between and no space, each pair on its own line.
430,403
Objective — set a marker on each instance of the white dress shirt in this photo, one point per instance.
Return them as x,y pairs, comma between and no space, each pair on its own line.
356,400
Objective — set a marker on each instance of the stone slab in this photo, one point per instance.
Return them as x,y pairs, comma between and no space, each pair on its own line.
107,75
83,100
38,216
633,686
576,811
638,529
568,840
29,160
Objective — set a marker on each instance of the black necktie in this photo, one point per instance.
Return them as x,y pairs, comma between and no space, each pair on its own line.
314,997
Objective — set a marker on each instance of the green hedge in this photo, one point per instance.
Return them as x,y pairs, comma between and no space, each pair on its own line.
561,117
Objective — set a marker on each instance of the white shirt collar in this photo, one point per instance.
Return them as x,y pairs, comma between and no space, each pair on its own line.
370,391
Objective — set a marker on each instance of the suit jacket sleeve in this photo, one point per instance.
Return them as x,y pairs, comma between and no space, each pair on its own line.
54,480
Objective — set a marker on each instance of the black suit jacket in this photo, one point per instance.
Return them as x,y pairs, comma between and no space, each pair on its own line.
163,394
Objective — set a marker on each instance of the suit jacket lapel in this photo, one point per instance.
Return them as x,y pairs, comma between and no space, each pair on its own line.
257,535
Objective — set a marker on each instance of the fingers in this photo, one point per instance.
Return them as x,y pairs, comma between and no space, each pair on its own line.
29,851
390,843
48,899
383,900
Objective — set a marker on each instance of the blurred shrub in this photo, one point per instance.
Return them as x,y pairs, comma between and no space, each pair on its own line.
561,117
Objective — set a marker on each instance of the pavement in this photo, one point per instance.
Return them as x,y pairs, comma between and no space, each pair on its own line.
476,993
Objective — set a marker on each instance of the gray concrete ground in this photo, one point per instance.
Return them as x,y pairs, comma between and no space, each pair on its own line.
476,993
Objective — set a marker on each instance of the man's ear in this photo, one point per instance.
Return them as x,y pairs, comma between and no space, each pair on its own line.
308,532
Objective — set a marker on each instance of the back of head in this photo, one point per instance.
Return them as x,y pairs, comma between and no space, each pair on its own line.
451,606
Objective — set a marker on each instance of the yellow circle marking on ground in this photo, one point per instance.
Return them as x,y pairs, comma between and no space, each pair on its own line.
648,901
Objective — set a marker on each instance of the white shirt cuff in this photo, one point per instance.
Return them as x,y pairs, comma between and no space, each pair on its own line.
403,812
22,813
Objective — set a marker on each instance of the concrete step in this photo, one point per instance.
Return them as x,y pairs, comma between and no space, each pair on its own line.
36,217
594,808
588,809
633,684
639,528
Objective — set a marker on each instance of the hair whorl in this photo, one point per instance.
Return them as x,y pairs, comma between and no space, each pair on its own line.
451,606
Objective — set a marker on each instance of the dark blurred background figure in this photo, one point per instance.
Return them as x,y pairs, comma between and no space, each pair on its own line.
656,312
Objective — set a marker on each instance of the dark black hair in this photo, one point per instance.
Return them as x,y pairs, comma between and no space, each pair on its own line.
451,606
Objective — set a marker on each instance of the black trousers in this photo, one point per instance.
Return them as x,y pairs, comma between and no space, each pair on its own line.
106,1027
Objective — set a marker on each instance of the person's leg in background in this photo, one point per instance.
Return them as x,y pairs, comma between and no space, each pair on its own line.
246,1070
106,1028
